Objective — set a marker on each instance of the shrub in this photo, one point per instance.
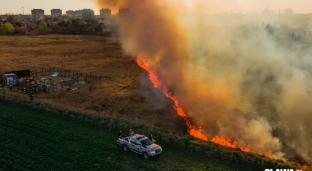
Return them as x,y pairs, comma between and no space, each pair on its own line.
21,30
42,29
6,28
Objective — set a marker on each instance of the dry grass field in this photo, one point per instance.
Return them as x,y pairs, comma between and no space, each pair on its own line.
125,92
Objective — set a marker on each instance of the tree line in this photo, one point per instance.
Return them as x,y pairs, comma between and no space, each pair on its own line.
58,25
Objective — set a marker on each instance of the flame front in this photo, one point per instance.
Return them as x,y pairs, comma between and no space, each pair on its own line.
193,131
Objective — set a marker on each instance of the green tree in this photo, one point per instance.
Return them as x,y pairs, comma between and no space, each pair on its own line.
6,28
43,28
44,25
88,16
269,29
10,18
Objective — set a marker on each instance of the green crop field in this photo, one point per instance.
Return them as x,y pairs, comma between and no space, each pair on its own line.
33,139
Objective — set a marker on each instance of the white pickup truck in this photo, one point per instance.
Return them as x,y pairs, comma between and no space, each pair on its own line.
140,144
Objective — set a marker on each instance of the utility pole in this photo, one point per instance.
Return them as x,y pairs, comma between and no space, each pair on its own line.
23,10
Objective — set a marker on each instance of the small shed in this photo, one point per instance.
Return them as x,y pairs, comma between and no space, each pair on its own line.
10,79
21,73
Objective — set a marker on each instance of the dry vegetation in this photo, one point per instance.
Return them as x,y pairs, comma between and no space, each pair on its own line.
121,93
124,93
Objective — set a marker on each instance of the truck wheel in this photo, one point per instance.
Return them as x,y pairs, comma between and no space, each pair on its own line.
126,148
145,155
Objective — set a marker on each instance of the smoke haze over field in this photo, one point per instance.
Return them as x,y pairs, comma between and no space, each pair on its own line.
213,6
243,77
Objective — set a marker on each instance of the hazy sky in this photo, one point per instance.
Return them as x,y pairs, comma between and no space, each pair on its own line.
299,6
15,6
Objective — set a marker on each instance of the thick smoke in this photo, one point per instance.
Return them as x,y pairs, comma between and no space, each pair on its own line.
257,80
246,77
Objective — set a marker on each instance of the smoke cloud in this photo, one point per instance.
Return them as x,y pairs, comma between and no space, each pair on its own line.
246,77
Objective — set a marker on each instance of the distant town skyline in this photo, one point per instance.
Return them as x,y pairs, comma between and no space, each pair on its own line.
213,6
15,6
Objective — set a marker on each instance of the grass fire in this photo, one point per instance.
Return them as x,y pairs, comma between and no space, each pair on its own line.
193,131
184,84
245,85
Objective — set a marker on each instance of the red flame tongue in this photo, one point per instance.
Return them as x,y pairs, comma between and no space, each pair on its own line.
198,133
193,131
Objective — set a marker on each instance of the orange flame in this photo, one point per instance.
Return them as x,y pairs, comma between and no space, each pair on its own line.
193,131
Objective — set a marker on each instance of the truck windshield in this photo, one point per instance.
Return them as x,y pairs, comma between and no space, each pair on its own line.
146,142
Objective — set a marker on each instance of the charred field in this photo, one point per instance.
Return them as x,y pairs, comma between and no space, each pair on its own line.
125,94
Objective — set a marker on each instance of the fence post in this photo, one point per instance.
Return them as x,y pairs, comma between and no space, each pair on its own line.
77,79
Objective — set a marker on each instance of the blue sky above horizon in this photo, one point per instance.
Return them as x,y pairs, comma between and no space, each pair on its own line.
299,6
